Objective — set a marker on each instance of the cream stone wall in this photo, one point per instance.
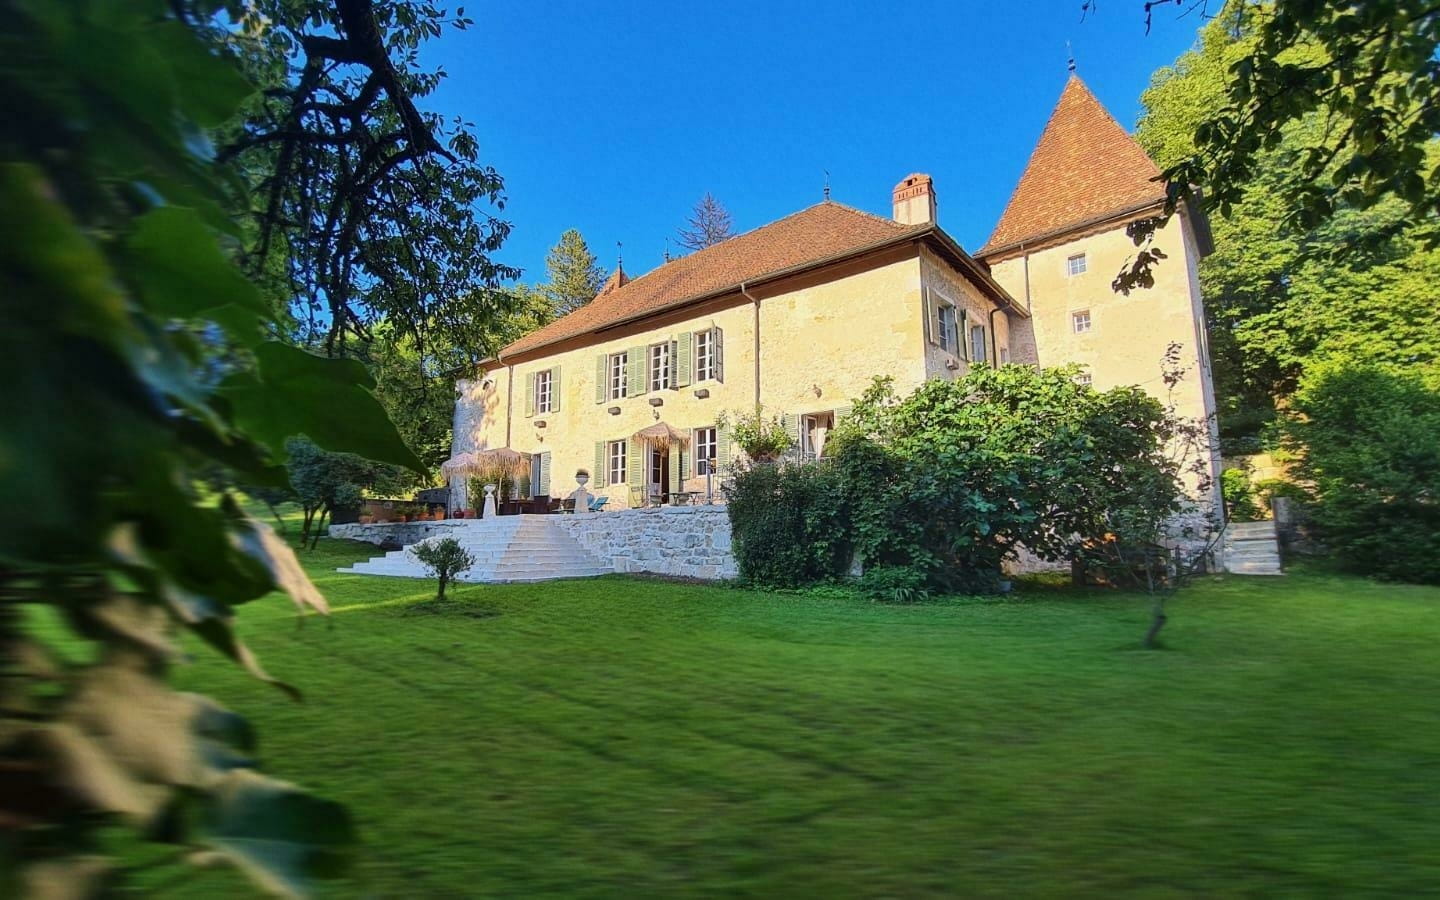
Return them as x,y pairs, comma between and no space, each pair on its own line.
1129,335
822,345
942,281
570,432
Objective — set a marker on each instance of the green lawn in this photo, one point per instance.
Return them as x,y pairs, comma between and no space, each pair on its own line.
627,737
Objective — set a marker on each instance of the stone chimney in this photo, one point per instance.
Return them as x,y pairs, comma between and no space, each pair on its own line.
914,200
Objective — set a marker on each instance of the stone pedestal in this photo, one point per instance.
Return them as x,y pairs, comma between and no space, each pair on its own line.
490,512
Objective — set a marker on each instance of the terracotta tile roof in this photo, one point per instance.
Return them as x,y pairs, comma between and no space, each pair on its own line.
809,235
1086,167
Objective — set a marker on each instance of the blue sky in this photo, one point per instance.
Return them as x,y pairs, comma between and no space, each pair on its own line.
615,118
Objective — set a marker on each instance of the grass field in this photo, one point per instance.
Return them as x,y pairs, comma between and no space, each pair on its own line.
627,737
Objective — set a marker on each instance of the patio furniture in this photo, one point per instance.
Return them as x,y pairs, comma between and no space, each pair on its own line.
657,499
567,507
598,503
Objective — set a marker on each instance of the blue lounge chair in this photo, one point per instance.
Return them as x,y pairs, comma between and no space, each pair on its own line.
598,503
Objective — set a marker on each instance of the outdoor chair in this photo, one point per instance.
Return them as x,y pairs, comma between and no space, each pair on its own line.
598,503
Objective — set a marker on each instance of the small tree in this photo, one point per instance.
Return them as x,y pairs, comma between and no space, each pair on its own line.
709,225
444,559
324,481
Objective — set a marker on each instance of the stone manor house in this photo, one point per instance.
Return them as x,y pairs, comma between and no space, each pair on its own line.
800,315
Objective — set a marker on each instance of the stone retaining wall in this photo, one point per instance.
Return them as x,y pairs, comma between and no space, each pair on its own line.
403,533
687,541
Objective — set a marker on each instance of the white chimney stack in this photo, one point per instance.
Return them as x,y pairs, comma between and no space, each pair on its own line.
914,200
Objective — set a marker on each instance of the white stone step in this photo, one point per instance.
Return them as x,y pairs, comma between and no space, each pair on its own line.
506,549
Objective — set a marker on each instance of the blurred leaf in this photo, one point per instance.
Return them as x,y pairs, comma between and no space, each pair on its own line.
182,273
258,540
277,834
328,400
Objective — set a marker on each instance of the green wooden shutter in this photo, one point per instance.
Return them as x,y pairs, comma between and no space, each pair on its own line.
545,474
843,412
683,351
598,476
634,464
722,451
964,326
927,307
718,344
685,460
530,393
602,377
674,468
555,389
791,425
635,361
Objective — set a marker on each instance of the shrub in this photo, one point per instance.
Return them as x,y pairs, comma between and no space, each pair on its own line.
944,484
893,584
1239,495
789,525
1368,439
444,559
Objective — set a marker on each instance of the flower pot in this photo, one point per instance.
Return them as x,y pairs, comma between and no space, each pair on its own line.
366,520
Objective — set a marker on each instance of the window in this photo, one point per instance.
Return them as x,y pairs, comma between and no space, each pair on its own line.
544,394
1083,378
705,447
1004,355
1075,265
949,328
618,382
1080,321
660,366
977,343
814,430
705,355
615,454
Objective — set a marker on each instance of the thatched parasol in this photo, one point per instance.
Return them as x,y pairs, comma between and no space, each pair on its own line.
502,460
661,435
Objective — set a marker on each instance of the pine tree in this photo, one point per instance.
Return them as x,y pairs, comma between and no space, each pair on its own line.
709,224
575,277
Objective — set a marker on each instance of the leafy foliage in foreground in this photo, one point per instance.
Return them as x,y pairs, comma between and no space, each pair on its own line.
1370,70
1368,439
136,361
1280,295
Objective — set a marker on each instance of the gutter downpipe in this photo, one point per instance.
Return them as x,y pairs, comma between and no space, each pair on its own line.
994,341
755,300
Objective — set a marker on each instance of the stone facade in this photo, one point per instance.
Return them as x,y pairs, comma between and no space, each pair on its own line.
403,533
686,541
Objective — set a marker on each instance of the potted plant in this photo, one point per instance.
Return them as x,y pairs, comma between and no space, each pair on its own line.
763,438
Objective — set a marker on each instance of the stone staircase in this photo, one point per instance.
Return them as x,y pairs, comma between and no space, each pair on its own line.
1251,548
506,549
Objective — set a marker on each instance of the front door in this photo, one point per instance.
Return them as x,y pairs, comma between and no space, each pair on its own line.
657,482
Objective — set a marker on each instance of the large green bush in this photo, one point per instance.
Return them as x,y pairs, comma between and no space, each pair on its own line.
1368,440
949,481
790,524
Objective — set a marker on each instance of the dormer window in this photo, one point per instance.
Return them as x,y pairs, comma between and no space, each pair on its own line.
1075,265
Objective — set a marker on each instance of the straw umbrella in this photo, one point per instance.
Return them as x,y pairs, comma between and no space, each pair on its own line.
661,435
501,461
